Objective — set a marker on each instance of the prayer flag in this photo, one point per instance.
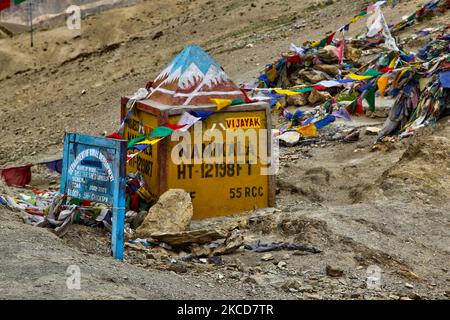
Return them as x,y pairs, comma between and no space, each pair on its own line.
370,98
174,126
55,165
161,132
308,130
202,114
17,176
149,142
358,77
330,38
382,84
4,4
187,120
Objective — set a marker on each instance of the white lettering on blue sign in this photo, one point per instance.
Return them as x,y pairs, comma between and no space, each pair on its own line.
95,154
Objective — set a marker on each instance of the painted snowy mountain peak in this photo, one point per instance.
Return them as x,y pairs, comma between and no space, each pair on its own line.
193,78
191,66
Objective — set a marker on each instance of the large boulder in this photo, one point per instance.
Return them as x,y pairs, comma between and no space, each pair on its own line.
352,54
172,213
328,55
318,96
330,69
298,100
313,76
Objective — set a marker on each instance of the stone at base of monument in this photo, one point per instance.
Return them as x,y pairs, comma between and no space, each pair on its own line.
172,213
216,189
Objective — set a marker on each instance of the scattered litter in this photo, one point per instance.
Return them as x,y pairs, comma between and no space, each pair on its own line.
259,246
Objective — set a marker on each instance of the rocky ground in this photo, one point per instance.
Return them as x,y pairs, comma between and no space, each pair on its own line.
360,208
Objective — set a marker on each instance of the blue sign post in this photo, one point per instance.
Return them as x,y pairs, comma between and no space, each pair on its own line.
94,169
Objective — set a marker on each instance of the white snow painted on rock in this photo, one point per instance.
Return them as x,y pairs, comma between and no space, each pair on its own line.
193,75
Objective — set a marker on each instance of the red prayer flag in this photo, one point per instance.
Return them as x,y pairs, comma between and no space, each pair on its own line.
340,51
359,107
246,98
386,69
5,4
114,135
330,38
294,59
174,126
420,13
18,177
319,87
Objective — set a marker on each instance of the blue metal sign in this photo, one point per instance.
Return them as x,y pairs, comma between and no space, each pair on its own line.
94,169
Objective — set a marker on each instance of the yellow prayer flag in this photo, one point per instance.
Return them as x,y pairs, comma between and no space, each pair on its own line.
399,76
286,92
308,130
358,77
150,141
354,19
382,84
315,43
393,63
222,103
271,74
423,82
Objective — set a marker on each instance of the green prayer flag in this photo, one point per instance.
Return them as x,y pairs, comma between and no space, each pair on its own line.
161,132
303,90
237,101
412,17
132,142
322,43
361,14
372,73
370,98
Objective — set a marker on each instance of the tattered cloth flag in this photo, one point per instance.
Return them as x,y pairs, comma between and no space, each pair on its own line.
444,79
5,4
223,103
202,114
308,130
148,142
187,120
141,146
343,114
330,38
370,98
55,165
161,132
324,121
132,142
17,176
114,135
174,126
131,156
141,143
320,43
340,50
358,16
